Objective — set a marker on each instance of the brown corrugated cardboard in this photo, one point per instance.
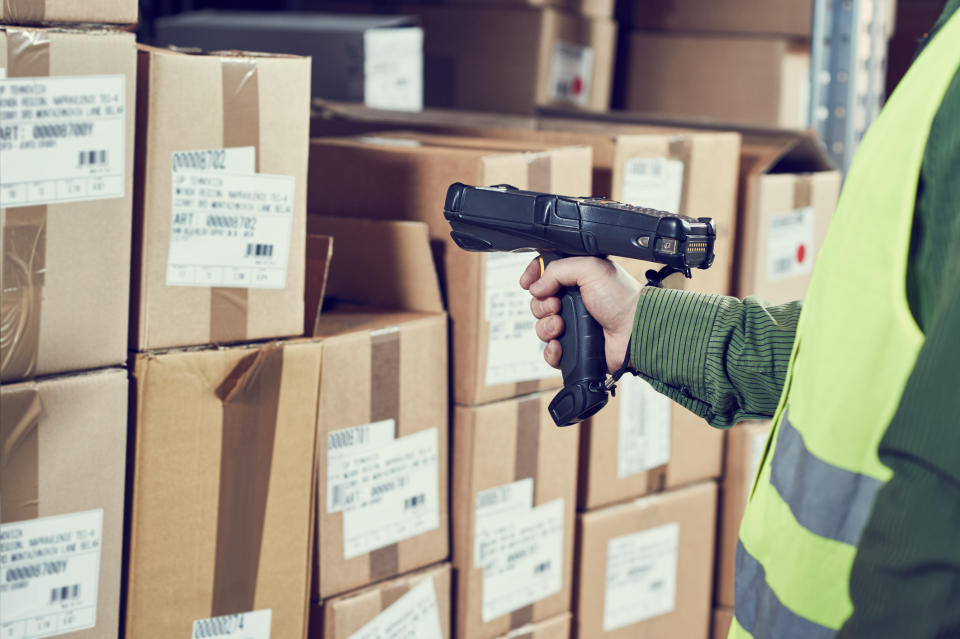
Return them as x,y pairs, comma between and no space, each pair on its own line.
771,17
788,191
540,56
384,384
51,11
66,252
642,442
62,473
554,628
591,8
722,618
645,568
746,443
251,112
412,175
417,604
223,488
377,59
752,81
514,483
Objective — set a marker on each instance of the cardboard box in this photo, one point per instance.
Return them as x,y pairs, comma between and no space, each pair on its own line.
772,17
65,222
52,11
224,131
62,475
752,81
746,443
383,407
788,192
494,356
514,487
642,442
537,57
590,8
375,59
412,605
554,628
645,568
223,489
722,619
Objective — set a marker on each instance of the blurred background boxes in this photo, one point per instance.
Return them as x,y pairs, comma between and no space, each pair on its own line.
645,568
62,496
514,502
66,203
772,17
377,60
554,628
217,133
68,11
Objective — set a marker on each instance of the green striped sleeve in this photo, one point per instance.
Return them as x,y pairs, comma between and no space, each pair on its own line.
722,358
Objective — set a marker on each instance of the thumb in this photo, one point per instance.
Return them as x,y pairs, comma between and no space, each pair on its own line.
569,271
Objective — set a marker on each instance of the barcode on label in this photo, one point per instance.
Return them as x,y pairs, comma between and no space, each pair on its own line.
782,265
541,568
65,593
339,497
524,325
92,158
644,168
260,250
413,502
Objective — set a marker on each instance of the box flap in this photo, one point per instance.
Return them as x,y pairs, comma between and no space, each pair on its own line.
430,118
319,255
380,264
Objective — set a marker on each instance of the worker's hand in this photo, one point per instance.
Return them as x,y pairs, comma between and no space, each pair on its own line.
609,293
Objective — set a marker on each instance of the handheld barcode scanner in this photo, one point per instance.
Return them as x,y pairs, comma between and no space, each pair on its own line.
504,218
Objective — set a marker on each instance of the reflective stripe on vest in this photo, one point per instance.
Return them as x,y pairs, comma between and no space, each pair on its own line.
856,345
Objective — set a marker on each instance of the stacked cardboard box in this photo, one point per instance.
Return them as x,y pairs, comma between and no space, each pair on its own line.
66,166
67,11
224,472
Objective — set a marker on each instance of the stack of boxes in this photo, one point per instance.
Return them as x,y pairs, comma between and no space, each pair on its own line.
66,186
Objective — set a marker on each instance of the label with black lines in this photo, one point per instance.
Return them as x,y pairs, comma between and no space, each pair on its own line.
415,615
244,625
653,183
387,487
62,139
518,546
644,427
50,575
790,244
229,229
571,73
641,576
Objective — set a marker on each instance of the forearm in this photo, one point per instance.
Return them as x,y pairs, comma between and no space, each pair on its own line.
722,358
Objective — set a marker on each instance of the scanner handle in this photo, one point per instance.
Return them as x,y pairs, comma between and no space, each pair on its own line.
583,359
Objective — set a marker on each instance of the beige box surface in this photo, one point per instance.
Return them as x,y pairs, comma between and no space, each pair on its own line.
514,487
48,11
540,57
223,487
62,473
417,603
554,628
385,384
657,550
591,8
189,103
753,81
745,446
722,619
772,17
788,192
413,173
66,263
642,442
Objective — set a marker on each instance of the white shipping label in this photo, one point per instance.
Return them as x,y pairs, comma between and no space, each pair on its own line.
62,139
237,159
50,575
644,433
571,73
520,550
641,576
514,352
347,451
653,183
246,625
388,490
230,229
393,68
790,244
415,615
